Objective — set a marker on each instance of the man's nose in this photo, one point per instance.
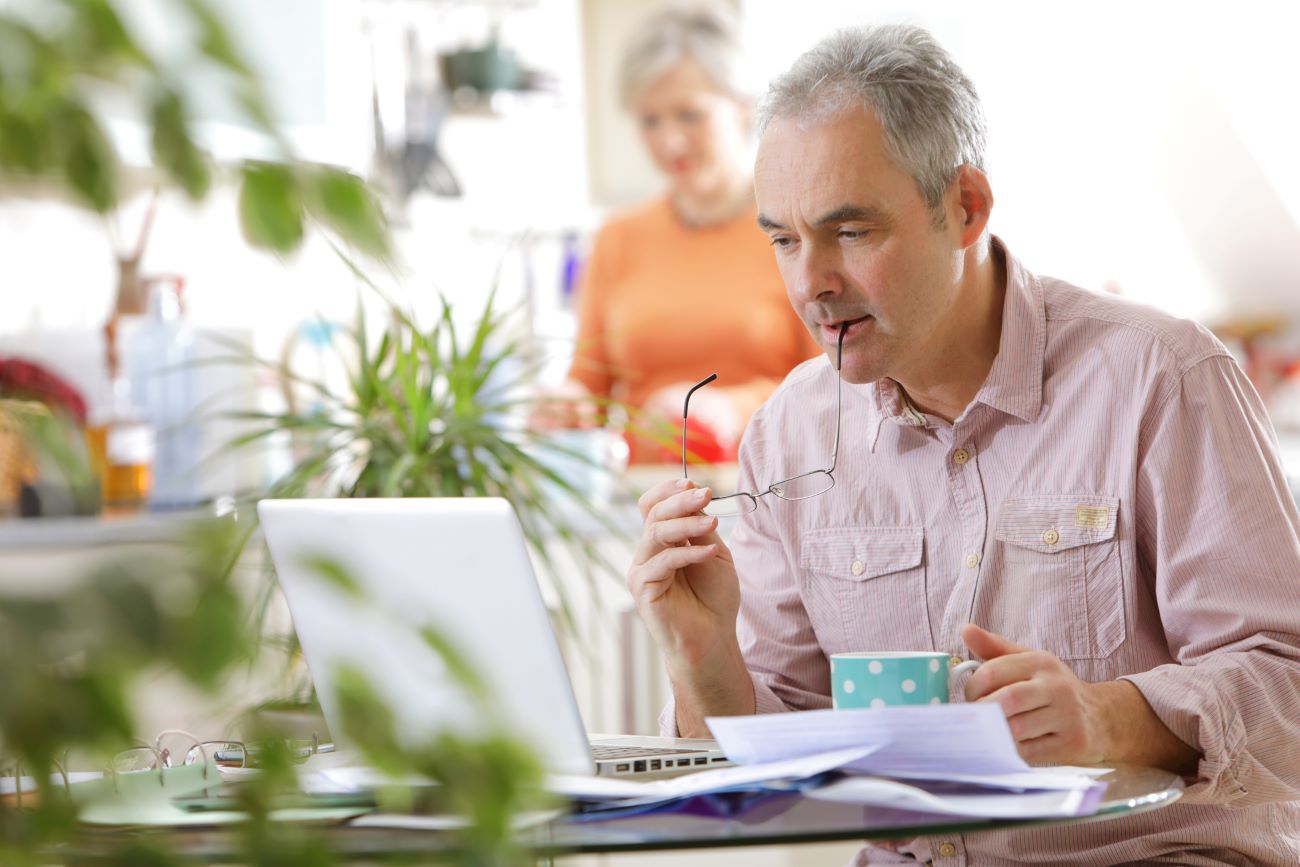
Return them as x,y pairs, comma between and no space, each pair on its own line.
816,275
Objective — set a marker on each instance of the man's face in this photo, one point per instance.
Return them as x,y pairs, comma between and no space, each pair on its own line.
856,243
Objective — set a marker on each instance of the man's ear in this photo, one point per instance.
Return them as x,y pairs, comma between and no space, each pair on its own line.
974,201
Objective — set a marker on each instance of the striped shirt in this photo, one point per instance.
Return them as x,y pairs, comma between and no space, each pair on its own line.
1112,495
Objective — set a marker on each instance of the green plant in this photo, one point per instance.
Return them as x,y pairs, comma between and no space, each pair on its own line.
69,659
57,66
437,412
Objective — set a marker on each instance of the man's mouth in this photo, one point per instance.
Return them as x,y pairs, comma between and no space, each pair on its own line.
831,330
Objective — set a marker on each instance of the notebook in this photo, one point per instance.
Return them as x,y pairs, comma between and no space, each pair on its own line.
461,566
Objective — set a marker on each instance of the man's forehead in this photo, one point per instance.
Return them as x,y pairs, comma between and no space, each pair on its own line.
824,164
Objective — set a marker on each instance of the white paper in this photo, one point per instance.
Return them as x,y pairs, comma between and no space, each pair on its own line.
878,792
948,738
1054,777
716,780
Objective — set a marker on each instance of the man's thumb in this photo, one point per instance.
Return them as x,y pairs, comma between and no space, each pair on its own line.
988,645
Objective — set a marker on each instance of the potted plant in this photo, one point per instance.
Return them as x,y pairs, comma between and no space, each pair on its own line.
438,411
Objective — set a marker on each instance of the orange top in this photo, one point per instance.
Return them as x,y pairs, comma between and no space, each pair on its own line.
662,303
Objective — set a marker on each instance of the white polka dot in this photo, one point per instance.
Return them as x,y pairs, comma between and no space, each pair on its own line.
877,702
909,685
935,700
934,665
848,686
875,667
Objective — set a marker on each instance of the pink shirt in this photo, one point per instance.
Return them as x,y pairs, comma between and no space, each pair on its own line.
1113,495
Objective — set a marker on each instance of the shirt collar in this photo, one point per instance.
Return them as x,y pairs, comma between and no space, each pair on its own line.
1015,381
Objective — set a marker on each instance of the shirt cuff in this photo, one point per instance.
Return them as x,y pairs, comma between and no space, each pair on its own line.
765,701
1203,722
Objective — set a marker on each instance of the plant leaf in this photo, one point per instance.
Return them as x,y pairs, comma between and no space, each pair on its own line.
270,206
345,203
87,158
173,149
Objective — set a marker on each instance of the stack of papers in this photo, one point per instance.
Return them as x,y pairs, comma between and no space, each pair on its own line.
955,759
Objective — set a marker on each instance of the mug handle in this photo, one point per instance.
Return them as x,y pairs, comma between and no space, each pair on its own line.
959,668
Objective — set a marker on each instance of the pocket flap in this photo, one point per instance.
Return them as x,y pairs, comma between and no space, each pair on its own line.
860,553
1051,523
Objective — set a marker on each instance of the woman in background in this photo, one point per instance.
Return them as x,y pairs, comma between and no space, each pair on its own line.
686,285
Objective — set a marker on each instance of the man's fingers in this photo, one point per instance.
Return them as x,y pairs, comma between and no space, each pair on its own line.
655,575
1034,724
1049,749
1022,697
1003,671
988,645
677,531
660,492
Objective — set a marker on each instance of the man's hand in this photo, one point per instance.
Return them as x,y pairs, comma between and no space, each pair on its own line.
1056,718
685,587
1052,715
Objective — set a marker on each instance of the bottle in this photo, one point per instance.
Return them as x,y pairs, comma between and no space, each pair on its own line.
160,357
121,448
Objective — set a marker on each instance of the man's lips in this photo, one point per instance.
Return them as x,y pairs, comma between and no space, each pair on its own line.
832,329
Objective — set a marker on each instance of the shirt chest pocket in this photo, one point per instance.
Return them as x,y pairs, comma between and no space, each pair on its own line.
1061,583
864,587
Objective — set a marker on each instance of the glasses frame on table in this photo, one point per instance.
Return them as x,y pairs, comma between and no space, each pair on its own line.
803,486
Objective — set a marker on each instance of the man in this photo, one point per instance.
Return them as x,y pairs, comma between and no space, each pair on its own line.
1083,492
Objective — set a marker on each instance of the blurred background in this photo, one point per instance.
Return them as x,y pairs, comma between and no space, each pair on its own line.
1146,149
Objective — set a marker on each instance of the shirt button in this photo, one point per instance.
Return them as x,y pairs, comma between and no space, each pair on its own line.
1051,537
947,850
956,660
960,456
857,567
972,560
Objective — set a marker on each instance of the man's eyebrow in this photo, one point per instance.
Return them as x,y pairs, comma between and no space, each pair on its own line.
842,214
851,214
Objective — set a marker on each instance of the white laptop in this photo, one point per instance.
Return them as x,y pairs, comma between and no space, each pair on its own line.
460,566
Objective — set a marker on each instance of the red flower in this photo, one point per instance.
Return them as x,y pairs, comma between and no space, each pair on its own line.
29,381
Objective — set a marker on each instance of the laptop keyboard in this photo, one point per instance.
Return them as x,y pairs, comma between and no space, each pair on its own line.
605,753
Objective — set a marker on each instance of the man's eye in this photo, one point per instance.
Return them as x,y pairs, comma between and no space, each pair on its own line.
781,241
851,235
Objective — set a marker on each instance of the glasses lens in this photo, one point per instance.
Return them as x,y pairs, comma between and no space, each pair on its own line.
729,507
131,761
805,486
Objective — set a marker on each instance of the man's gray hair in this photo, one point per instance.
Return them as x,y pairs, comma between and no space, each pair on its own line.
705,34
926,105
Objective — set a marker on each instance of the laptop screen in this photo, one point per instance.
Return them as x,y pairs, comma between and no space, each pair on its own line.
456,565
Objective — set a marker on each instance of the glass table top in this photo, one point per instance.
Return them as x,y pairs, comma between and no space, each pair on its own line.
760,819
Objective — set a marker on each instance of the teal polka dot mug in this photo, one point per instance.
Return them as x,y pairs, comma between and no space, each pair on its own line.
882,679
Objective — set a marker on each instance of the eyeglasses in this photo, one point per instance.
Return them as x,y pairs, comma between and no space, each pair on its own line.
173,748
801,487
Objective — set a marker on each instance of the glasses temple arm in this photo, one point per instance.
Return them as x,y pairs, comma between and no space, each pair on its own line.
686,405
839,396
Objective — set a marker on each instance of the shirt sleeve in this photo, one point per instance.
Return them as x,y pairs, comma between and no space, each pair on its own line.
786,663
591,362
1219,536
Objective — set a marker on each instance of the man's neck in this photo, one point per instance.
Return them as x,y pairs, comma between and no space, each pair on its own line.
967,349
